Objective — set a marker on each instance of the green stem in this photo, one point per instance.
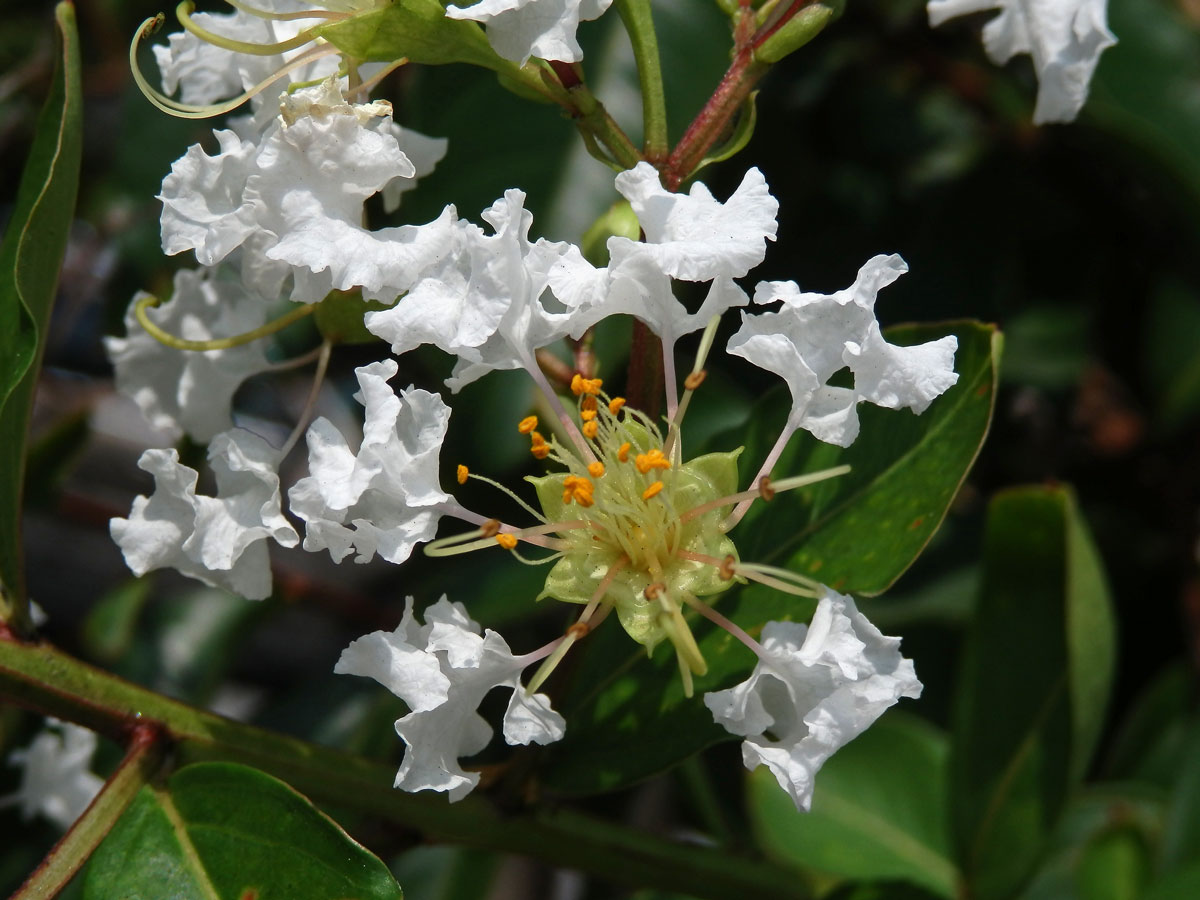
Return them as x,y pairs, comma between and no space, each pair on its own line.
46,679
640,25
591,118
141,762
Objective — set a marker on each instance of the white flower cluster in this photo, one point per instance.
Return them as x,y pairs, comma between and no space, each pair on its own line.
56,778
284,196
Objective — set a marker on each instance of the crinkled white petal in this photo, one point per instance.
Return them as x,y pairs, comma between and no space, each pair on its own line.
294,197
423,152
1064,37
487,301
815,336
189,391
519,29
694,236
220,540
444,728
56,781
383,499
814,690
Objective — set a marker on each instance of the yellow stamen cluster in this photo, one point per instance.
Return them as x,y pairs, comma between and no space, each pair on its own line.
538,446
581,385
581,490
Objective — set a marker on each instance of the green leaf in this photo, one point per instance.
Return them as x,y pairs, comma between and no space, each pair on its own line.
1034,686
1181,836
1115,865
878,812
30,256
416,29
221,831
1181,885
628,716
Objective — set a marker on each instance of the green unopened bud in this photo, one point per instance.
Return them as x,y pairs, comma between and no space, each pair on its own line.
795,33
619,221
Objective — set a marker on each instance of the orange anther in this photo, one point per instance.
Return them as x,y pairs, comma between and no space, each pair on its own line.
490,528
596,469
587,414
590,428
578,489
623,451
578,630
694,380
589,402
764,488
540,451
652,490
581,385
527,424
725,570
507,541
615,404
462,474
653,591
652,460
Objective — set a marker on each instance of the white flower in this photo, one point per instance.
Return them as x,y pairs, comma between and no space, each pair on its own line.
293,200
487,304
56,781
694,236
218,540
189,391
1065,38
443,670
815,335
519,29
815,689
388,492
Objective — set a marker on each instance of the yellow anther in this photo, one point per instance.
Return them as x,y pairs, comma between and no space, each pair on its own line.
578,489
589,403
540,451
596,469
590,428
652,490
587,415
652,460
527,424
507,541
623,451
581,385
694,380
615,404
462,474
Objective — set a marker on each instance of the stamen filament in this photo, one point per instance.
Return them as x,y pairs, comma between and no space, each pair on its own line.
311,402
498,486
302,14
715,617
178,343
367,86
192,111
183,12
560,411
755,493
675,417
765,469
750,569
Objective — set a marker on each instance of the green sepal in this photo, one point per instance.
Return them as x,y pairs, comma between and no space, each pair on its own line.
577,575
619,220
414,29
339,318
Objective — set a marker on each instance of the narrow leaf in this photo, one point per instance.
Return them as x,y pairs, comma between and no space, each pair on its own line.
1034,686
30,256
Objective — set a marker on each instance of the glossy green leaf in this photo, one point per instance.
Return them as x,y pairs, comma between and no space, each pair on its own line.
221,831
1181,836
878,813
30,256
628,716
1033,689
416,29
1144,88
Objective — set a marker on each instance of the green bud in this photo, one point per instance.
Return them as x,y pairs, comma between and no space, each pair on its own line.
620,220
796,32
